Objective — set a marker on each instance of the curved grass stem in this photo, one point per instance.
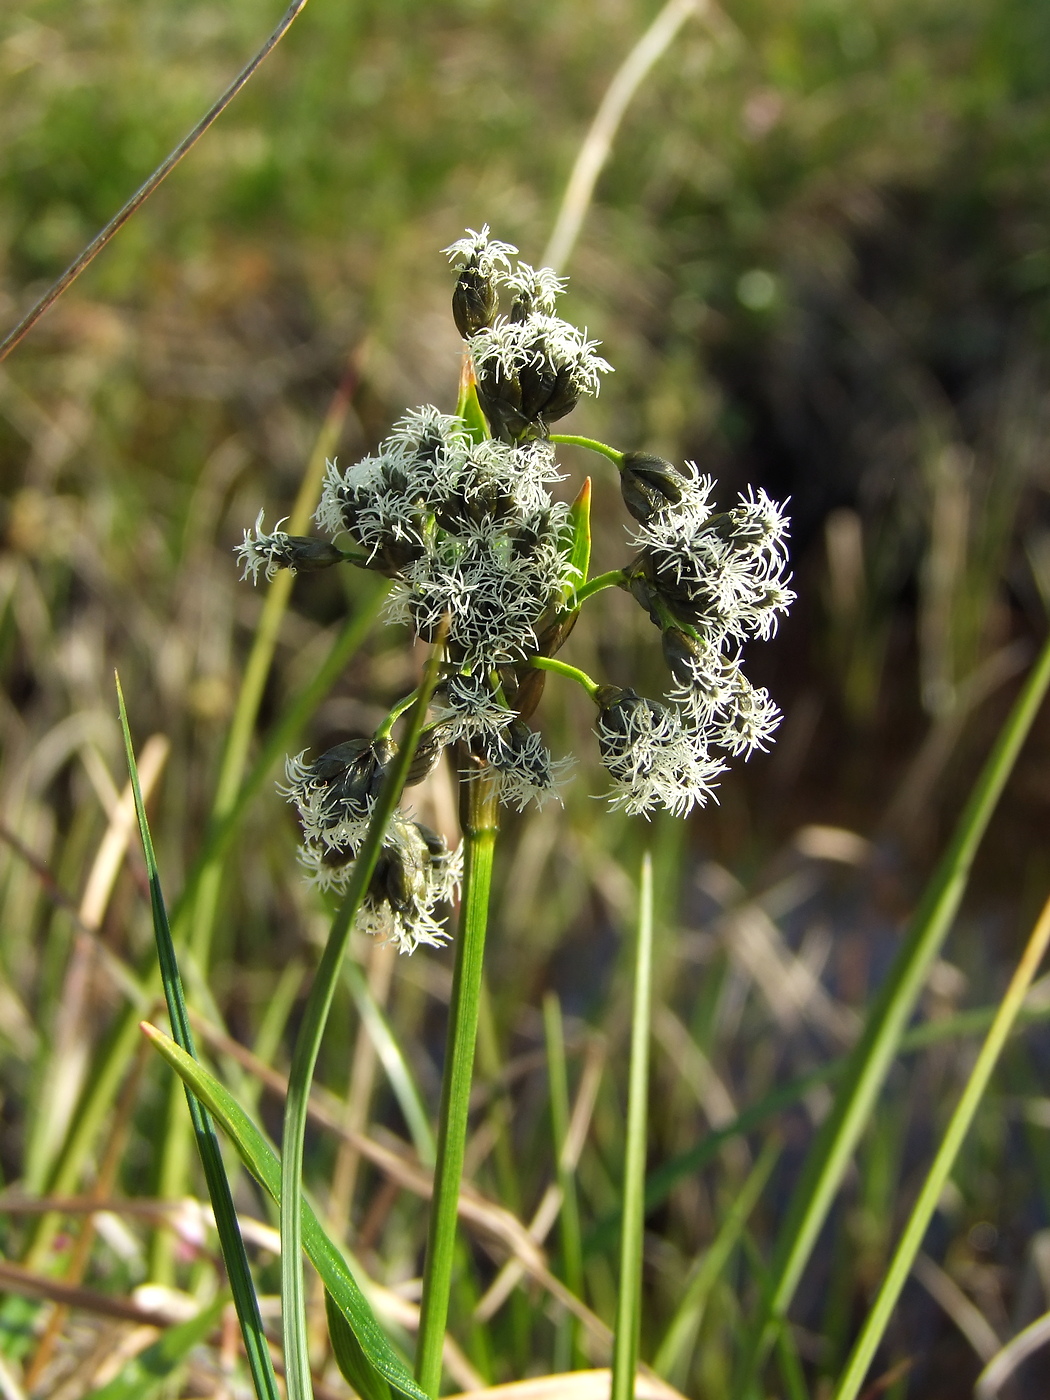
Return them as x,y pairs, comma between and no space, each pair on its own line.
591,444
562,668
480,825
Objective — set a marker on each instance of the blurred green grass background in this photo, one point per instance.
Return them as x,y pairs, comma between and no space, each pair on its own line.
819,259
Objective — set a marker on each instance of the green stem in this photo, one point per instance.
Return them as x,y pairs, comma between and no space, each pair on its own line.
591,444
308,1043
395,714
615,578
562,668
479,835
629,1302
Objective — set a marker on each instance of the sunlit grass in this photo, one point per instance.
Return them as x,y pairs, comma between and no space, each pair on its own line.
813,254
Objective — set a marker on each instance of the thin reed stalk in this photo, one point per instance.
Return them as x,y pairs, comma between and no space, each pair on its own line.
629,1299
480,824
88,255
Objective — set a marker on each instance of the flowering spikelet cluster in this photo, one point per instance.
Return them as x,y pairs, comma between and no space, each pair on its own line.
415,874
710,582
532,368
457,511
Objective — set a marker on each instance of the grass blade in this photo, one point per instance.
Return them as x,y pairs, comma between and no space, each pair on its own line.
569,1215
911,1240
398,1073
675,1350
629,1302
350,1357
230,1240
147,1372
263,1163
869,1063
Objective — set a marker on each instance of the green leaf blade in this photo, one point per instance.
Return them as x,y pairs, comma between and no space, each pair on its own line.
256,1347
261,1160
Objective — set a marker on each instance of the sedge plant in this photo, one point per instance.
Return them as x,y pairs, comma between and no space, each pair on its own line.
487,566
459,514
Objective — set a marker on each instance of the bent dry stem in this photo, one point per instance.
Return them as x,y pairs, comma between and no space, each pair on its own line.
481,820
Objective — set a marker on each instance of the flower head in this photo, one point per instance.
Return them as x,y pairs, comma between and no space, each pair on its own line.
527,769
415,874
459,514
654,756
533,371
300,553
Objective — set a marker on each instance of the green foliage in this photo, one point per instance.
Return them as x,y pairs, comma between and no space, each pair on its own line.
262,1161
233,1252
817,256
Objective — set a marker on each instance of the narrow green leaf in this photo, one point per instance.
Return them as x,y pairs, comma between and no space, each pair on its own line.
263,1163
580,526
937,1178
144,1374
629,1303
869,1063
350,1358
246,1302
394,1063
298,1382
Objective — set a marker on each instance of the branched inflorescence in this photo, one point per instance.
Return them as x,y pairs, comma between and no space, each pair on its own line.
457,511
